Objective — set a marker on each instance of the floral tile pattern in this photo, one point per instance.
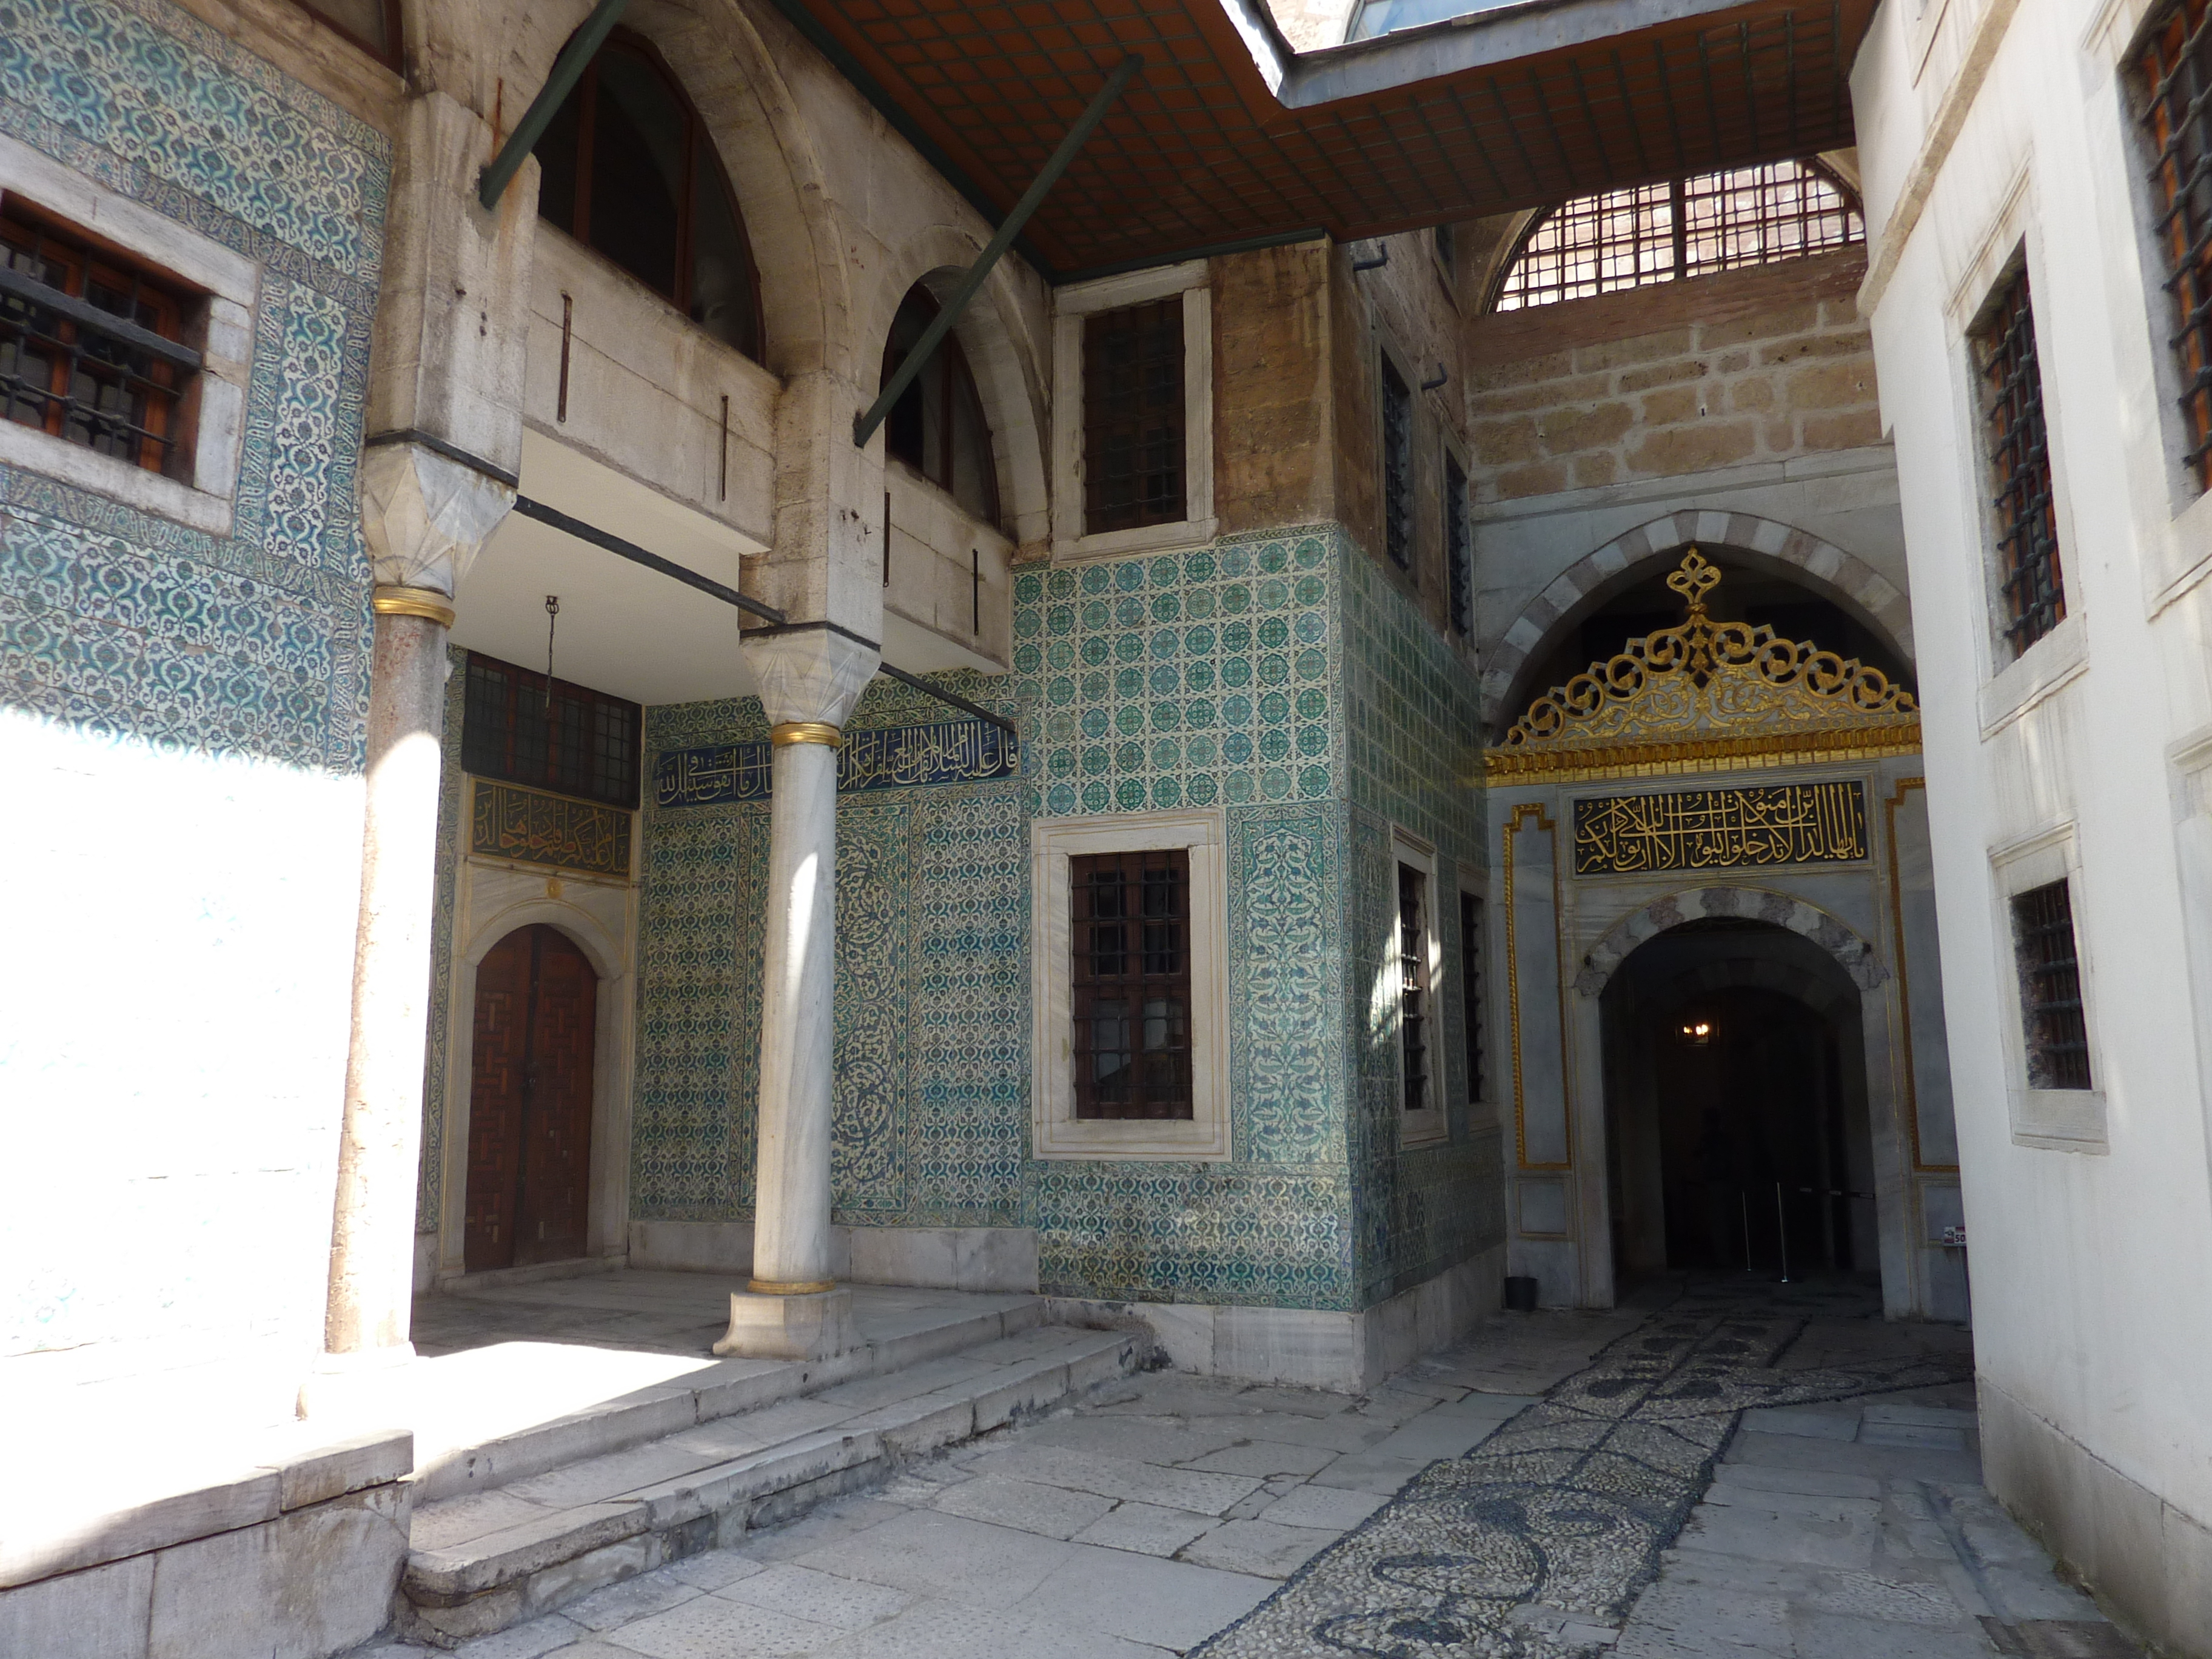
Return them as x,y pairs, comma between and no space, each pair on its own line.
1220,677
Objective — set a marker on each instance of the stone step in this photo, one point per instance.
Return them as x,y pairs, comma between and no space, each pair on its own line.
482,1560
705,1395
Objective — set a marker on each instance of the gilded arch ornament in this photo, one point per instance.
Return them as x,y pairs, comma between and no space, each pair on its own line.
1822,566
1705,695
1854,953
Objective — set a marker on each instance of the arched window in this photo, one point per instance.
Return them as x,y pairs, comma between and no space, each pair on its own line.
629,170
937,427
1691,228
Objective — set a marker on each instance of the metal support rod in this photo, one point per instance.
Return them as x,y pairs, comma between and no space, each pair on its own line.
953,698
1743,1203
708,585
567,69
1782,1226
865,425
636,555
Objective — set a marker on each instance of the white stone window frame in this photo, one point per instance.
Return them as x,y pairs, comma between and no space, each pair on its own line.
1056,1131
2007,690
224,336
2057,1120
1431,1124
1071,306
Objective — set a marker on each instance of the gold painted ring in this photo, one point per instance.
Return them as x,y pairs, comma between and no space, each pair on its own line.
425,602
819,731
800,1287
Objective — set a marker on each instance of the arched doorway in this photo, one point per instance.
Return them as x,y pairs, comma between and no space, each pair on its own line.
529,1102
1738,1130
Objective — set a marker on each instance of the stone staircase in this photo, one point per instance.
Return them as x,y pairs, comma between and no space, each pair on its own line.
524,1524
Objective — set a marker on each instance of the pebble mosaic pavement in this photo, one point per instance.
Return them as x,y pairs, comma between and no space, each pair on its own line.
1571,1502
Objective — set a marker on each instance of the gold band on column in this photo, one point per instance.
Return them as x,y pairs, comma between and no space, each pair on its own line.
425,602
801,1287
819,731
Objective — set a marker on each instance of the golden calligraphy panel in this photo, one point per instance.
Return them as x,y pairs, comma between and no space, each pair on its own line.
505,822
1717,828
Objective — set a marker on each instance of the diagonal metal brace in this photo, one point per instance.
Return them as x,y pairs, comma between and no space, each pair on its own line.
863,426
567,69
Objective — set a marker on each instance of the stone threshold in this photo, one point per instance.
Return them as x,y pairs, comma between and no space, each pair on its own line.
502,1546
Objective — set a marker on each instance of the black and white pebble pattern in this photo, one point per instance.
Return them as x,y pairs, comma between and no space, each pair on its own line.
1536,1542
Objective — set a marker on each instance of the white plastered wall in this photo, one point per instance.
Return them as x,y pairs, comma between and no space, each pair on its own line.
1979,128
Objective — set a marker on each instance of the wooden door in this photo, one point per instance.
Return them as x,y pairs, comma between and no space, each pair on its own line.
529,1103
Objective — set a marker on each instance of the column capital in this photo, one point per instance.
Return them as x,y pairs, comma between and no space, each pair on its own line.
425,517
810,675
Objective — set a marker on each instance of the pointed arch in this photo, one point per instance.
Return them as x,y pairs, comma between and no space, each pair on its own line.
1820,565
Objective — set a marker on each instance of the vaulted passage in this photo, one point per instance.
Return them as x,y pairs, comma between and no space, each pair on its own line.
1737,1106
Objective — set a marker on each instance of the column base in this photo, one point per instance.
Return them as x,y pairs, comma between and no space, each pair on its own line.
811,1325
356,1385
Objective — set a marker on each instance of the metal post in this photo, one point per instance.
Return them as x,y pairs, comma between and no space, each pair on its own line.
1743,1202
567,69
1781,1225
865,425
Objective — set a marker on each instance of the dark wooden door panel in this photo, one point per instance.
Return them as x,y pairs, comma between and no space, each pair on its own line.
556,1150
529,1103
500,1056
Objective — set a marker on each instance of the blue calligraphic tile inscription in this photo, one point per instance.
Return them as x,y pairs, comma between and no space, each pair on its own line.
883,757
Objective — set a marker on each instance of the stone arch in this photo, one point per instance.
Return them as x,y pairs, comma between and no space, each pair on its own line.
1007,359
767,146
1820,565
579,926
1854,953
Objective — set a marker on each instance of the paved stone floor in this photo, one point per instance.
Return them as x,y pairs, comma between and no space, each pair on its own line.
1717,1470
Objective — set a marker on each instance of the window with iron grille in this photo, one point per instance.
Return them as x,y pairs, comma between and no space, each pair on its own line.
1459,548
1413,985
519,725
1692,226
1130,945
938,426
1447,250
92,342
1133,418
2024,515
1397,466
2175,67
1470,988
2051,988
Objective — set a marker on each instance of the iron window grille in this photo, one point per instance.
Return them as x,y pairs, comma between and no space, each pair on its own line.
2058,1035
518,725
372,25
1690,226
629,170
1459,549
2024,512
2175,65
1397,466
1130,980
1470,988
1413,984
1133,418
91,343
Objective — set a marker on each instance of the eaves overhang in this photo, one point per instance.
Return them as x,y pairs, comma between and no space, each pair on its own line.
1229,140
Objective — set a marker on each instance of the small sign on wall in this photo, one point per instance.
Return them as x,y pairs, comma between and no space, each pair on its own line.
1718,828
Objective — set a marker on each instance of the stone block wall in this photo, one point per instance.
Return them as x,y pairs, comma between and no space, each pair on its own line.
181,721
1673,379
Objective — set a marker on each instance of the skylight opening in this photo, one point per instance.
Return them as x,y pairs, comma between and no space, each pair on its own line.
1692,227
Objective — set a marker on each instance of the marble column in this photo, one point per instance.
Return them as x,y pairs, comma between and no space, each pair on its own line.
792,1308
425,517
